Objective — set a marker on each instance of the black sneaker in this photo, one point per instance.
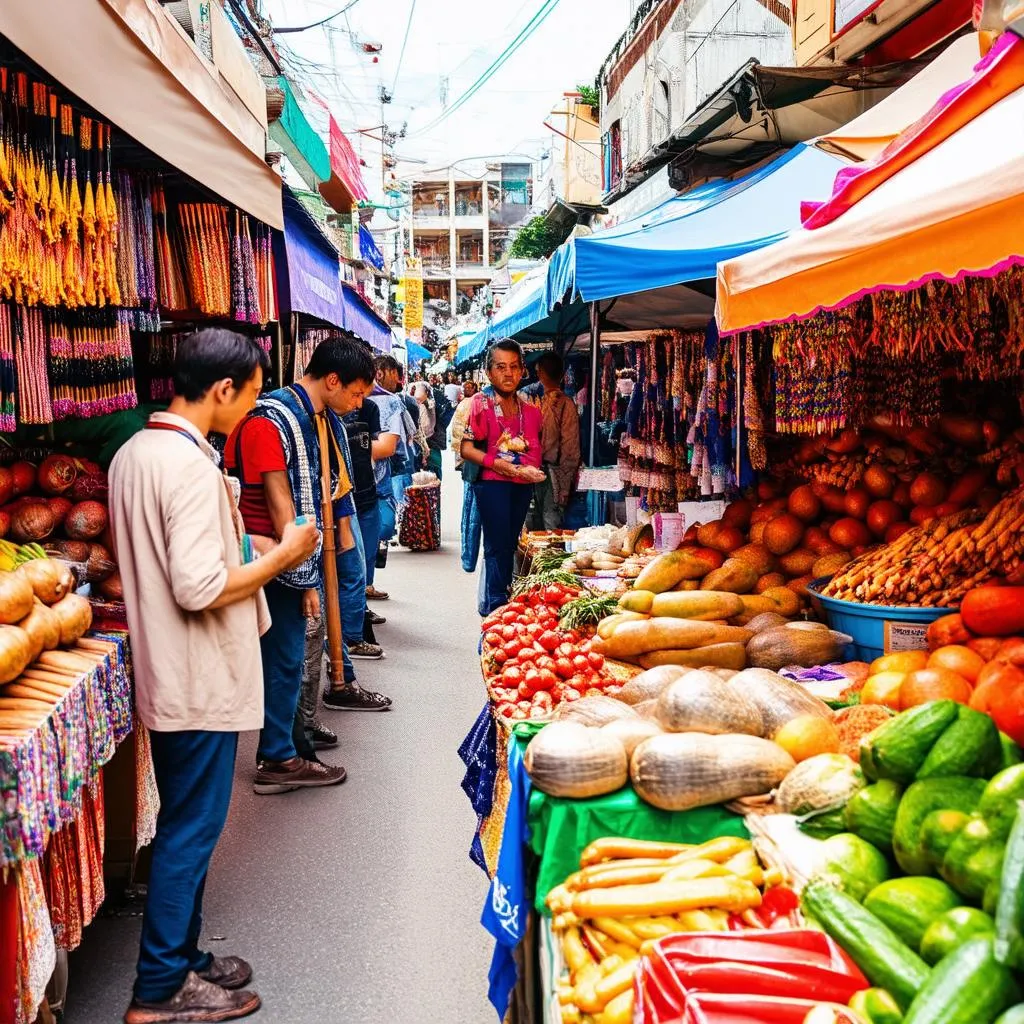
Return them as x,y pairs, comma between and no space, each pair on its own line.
375,619
320,736
365,652
356,699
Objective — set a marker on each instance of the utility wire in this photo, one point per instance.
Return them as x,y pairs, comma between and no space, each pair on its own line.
405,39
315,24
546,7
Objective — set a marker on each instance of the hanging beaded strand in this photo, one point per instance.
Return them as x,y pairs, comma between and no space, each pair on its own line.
8,418
30,348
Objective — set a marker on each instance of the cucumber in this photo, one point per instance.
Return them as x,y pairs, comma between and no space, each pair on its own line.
938,830
952,929
968,987
1014,1015
955,793
873,947
897,749
1010,904
876,1006
871,813
970,746
909,905
998,804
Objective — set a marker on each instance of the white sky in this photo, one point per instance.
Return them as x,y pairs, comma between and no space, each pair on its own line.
457,40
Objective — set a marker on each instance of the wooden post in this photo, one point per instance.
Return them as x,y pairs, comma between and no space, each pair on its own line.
332,604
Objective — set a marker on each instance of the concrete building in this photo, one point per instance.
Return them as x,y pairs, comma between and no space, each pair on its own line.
462,225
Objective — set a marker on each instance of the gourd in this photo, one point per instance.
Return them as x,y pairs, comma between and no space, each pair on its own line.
570,760
685,564
706,604
607,626
648,685
678,771
776,648
820,783
596,710
701,702
736,576
631,732
778,699
660,634
765,621
732,657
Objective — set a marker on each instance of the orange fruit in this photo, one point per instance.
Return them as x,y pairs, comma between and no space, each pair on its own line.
904,661
807,735
934,684
883,688
959,659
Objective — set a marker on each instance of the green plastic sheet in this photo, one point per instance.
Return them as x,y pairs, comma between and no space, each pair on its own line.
561,829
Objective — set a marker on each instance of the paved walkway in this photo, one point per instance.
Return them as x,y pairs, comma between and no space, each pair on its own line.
356,905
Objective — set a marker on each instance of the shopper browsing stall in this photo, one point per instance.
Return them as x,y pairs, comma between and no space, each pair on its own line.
196,612
560,442
508,432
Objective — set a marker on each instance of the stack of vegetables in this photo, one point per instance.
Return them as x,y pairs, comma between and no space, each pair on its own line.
630,893
925,891
41,621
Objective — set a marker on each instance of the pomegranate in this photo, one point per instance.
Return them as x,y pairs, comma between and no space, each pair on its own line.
5,523
56,474
86,520
23,475
6,485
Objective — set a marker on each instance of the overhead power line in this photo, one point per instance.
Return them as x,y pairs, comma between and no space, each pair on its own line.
405,39
315,24
546,7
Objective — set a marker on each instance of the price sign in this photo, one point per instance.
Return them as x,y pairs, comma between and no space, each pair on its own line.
905,636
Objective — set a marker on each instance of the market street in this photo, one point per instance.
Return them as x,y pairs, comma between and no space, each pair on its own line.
357,903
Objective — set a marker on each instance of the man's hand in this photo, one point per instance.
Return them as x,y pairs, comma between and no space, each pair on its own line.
311,604
298,543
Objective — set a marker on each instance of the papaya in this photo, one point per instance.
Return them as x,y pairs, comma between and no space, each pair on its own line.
698,604
735,576
729,655
683,564
637,600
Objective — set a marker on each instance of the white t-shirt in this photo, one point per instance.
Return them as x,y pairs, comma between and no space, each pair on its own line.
453,392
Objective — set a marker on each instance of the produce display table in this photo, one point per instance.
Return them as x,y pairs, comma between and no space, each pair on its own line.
52,824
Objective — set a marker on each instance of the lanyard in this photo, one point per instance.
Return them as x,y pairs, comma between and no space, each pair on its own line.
177,430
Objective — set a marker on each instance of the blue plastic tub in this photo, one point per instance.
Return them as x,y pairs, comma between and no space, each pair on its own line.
868,624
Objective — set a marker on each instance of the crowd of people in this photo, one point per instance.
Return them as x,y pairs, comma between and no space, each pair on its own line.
232,574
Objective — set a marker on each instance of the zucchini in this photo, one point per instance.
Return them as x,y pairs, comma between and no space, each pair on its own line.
968,987
873,947
1010,905
955,793
876,1006
897,749
970,746
909,905
871,813
952,929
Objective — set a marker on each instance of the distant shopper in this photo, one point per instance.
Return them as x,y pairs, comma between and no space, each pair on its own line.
470,530
510,465
452,390
195,610
560,442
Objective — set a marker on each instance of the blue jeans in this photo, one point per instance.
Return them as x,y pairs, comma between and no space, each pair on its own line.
399,482
388,509
194,772
369,527
503,506
470,528
352,596
283,649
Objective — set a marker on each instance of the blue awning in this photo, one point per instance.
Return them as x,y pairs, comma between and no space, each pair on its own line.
368,249
525,305
686,237
359,317
416,353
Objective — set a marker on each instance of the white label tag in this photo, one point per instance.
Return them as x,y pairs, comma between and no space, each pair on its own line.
905,636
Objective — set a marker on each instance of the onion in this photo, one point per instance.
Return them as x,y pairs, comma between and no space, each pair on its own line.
16,597
50,579
86,520
15,652
56,474
75,615
31,522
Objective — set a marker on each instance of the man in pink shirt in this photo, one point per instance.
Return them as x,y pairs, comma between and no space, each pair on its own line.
502,438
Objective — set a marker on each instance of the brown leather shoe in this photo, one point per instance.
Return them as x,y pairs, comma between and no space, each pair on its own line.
228,972
373,594
196,1000
297,773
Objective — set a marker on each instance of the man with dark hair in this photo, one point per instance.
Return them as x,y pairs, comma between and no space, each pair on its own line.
192,584
276,454
560,442
508,431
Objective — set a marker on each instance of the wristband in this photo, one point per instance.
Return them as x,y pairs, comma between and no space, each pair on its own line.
489,460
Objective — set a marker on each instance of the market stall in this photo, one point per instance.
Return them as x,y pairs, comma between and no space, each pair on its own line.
832,652
108,254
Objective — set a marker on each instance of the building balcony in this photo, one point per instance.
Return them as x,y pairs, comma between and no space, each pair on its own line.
472,269
428,219
436,266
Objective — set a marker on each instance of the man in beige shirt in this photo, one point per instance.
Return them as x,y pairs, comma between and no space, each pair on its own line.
195,611
560,440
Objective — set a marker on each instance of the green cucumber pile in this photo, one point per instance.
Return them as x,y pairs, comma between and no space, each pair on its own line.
941,940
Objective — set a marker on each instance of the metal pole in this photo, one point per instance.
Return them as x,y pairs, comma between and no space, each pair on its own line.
332,601
595,381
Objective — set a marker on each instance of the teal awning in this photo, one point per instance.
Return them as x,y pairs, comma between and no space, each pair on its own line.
299,141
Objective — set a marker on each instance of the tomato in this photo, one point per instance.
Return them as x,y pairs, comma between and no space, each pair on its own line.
570,693
546,663
534,629
506,710
511,676
585,647
553,593
563,666
564,650
490,622
511,647
527,654
500,656
580,663
549,640
539,711
596,660
548,679
525,690
509,617
508,632
493,636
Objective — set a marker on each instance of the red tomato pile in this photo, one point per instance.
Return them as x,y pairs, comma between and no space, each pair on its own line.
533,664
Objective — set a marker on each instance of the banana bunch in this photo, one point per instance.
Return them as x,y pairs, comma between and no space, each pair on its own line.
13,555
628,894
